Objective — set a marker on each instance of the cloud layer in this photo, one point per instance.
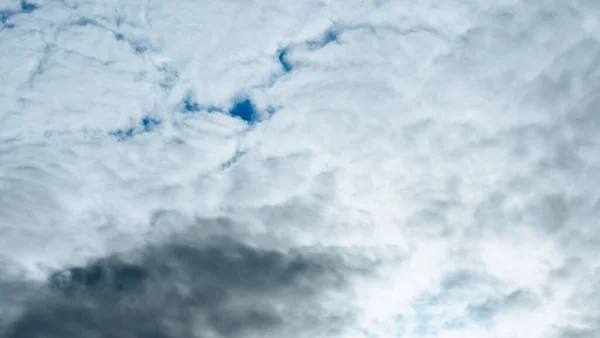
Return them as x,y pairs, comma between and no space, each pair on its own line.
379,169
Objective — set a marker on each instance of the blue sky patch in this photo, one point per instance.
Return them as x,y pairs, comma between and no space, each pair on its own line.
190,105
244,109
150,123
147,123
233,159
5,15
28,7
330,35
122,135
282,56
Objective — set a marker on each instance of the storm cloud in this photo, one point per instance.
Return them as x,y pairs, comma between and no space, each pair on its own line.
222,289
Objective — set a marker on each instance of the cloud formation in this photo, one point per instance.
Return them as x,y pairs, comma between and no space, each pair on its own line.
221,289
451,148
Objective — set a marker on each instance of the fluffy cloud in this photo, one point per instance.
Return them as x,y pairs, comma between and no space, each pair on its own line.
438,159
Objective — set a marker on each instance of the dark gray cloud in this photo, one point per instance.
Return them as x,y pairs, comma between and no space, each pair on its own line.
220,289
15,289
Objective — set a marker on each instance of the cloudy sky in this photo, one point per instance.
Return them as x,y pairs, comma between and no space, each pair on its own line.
314,168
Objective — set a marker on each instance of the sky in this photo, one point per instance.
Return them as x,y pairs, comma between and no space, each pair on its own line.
315,168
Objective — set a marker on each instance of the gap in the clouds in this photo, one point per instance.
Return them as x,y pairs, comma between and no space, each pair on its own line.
331,35
283,59
189,104
122,134
147,124
28,7
244,109
4,16
233,159
150,123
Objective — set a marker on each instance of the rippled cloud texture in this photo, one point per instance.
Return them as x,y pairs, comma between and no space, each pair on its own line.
326,168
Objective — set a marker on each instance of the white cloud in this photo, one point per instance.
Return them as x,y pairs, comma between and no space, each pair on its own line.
431,139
